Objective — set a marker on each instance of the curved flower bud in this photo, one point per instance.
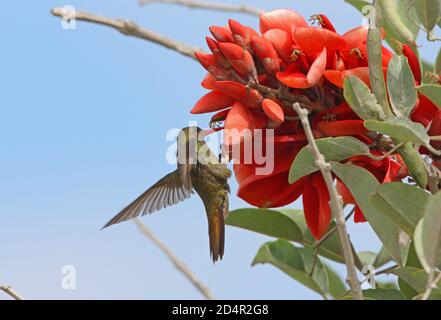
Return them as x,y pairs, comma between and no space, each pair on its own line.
242,34
240,59
222,34
213,101
273,110
208,61
220,59
266,54
281,19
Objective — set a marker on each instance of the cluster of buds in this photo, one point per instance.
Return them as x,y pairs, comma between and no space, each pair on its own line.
255,78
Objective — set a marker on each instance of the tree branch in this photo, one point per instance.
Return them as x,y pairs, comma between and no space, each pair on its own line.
9,291
127,28
431,284
336,204
178,264
208,5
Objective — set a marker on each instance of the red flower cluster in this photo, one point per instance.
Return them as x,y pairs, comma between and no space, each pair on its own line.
254,79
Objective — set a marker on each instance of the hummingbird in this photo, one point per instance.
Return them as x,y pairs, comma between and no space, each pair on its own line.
198,169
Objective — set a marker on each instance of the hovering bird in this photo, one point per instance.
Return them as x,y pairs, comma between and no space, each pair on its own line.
198,169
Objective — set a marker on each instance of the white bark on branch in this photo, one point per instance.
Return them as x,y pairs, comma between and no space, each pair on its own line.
9,291
177,263
128,28
336,204
209,6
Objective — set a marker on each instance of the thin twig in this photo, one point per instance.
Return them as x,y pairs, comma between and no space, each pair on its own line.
127,28
336,204
319,243
9,291
431,284
208,5
178,263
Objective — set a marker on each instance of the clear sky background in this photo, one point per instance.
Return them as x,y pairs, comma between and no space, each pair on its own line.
84,115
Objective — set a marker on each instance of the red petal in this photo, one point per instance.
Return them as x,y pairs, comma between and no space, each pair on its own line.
313,39
342,128
250,97
316,206
213,101
435,129
270,192
317,69
237,124
326,23
413,62
281,19
282,43
345,194
358,216
337,77
354,36
273,110
293,76
209,82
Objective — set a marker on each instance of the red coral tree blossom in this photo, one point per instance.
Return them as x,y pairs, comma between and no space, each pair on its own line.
254,79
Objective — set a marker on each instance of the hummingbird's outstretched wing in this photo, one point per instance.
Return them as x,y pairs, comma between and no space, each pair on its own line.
166,192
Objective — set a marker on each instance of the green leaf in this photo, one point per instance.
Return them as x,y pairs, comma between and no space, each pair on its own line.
333,149
362,183
431,91
402,203
401,86
380,294
358,4
414,277
268,222
428,12
367,257
428,235
286,224
295,262
382,258
360,98
412,261
426,69
397,20
400,129
337,286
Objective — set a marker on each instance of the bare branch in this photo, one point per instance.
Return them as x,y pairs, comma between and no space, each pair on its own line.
127,28
336,204
208,5
178,264
9,291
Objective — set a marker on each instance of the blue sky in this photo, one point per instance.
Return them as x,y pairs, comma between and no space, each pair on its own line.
84,114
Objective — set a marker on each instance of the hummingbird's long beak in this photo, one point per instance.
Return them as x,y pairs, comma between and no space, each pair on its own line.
205,133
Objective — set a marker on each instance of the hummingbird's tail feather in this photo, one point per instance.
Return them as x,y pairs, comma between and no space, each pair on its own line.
216,231
166,192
